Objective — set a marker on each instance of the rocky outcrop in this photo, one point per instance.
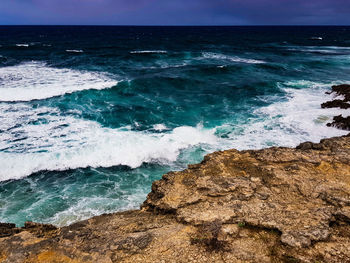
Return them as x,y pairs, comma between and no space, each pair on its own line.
271,205
339,121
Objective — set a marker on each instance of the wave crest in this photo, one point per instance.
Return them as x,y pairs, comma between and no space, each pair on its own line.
35,81
45,140
217,56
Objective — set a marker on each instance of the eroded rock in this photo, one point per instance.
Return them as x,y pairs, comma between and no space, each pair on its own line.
340,122
271,205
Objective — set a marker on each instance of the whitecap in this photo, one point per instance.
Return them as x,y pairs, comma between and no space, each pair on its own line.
217,56
159,127
316,38
36,80
148,52
75,51
22,45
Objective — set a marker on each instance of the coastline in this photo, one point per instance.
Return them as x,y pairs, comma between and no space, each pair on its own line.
272,205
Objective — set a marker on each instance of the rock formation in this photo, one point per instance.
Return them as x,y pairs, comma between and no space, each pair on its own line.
339,121
271,205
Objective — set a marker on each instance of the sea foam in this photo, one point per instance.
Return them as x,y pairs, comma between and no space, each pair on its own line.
75,51
22,45
148,52
43,139
298,117
35,80
217,56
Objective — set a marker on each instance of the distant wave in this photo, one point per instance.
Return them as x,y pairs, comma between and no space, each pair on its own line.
148,52
336,50
316,38
217,56
36,80
75,51
22,45
318,51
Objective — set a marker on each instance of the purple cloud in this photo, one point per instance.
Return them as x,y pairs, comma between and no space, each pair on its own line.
177,12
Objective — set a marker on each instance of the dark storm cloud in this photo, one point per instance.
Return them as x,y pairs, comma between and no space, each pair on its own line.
180,12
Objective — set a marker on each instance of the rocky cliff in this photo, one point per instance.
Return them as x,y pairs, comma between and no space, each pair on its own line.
271,205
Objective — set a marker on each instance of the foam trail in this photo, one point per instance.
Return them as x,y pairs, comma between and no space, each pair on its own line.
209,55
75,51
36,80
335,50
148,52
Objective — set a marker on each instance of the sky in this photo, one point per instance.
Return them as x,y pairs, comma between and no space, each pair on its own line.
175,12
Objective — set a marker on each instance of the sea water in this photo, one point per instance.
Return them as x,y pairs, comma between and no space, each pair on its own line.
91,116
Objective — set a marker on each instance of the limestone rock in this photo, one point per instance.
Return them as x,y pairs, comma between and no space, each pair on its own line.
271,205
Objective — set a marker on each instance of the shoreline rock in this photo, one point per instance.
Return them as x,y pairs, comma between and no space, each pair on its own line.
272,205
339,122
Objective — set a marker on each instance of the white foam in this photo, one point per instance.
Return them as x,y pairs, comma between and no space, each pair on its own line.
148,52
36,80
41,139
217,56
316,38
22,45
35,139
297,119
88,207
75,51
159,127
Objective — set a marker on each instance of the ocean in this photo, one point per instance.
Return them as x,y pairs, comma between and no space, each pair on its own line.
90,116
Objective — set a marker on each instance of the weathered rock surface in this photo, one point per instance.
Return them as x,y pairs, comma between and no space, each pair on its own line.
339,121
271,205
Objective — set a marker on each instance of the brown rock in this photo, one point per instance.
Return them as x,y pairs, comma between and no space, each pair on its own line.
271,205
7,229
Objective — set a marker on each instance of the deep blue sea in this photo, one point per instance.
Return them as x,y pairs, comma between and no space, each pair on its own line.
91,116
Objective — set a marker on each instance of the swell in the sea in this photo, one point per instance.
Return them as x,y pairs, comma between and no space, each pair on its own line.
35,139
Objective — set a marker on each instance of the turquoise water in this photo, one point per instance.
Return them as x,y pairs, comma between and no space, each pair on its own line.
91,116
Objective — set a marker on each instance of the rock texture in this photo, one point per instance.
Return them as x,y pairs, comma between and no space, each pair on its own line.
339,121
271,205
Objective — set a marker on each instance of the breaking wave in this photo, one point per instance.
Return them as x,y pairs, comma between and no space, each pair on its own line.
36,81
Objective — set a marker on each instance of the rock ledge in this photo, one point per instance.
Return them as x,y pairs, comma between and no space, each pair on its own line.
270,205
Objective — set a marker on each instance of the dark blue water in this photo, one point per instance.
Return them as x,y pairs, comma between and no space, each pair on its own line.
91,116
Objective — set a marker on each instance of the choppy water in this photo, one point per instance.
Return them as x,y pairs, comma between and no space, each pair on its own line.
90,116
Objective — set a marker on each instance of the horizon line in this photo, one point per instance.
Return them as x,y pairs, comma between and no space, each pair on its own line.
194,25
